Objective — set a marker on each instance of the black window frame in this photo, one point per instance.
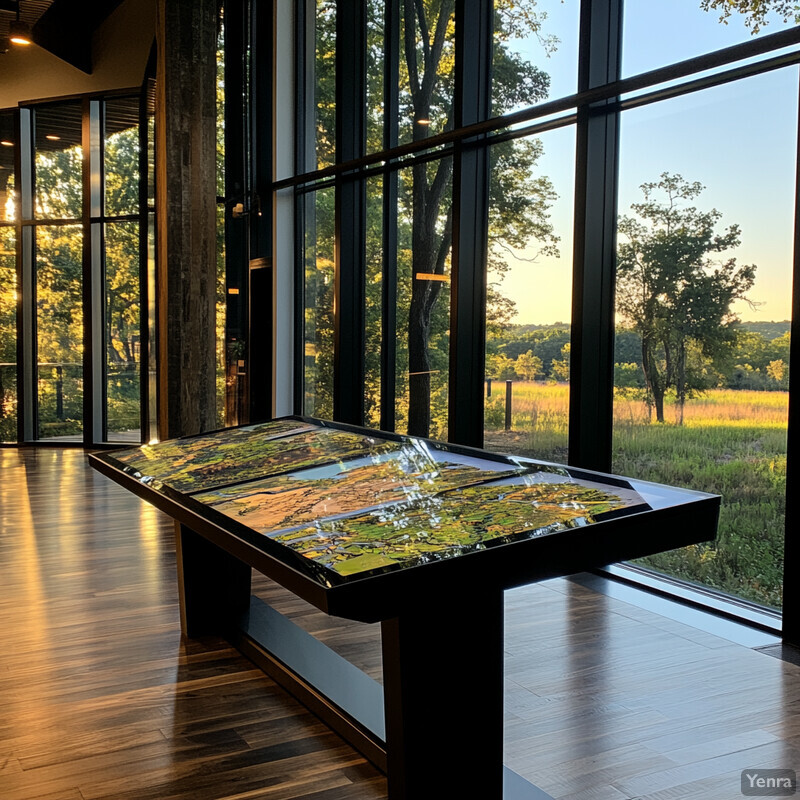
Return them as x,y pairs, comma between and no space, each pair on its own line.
594,111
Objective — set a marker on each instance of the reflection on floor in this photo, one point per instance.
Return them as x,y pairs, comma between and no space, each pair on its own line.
114,437
100,699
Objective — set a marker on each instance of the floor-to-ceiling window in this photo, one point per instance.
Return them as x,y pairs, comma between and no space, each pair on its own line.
562,229
8,280
56,304
76,232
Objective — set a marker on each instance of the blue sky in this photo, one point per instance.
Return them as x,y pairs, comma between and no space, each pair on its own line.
739,140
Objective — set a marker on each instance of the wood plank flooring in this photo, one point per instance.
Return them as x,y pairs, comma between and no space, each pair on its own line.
101,699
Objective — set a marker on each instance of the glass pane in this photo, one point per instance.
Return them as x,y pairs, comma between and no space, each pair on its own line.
661,32
152,357
151,158
321,112
529,289
424,246
121,165
227,385
123,328
7,137
427,69
704,287
58,162
535,54
375,68
318,317
59,321
8,334
374,303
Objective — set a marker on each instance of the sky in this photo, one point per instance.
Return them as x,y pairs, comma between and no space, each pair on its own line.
738,140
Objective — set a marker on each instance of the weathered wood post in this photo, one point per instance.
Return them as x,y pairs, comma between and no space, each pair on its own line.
186,206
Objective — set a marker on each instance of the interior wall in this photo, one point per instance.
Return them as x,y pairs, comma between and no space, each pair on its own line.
120,49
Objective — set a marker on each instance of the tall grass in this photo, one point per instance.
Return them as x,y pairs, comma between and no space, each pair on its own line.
732,443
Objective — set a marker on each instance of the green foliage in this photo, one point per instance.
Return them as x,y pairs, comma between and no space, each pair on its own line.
500,367
733,443
59,293
560,367
769,330
544,342
755,12
8,339
672,291
520,202
528,366
747,466
628,376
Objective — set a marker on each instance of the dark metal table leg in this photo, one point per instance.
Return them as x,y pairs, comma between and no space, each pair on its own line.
443,695
213,585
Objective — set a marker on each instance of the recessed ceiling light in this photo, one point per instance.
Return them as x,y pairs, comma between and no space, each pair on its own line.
19,33
6,143
423,122
52,137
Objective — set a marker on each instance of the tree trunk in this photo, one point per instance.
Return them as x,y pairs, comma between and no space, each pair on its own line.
186,35
428,248
658,402
680,382
419,368
423,298
655,385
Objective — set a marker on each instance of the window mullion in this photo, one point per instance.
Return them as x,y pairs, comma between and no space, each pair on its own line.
350,221
791,590
474,29
27,358
592,351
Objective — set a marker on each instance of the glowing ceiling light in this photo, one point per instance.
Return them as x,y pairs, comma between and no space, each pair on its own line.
19,33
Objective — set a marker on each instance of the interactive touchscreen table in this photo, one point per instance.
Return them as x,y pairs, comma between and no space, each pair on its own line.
420,536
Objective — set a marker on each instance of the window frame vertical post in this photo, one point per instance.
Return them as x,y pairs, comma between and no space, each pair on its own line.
473,97
597,169
791,556
260,308
350,216
94,372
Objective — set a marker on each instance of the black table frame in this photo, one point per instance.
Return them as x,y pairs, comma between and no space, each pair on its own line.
440,733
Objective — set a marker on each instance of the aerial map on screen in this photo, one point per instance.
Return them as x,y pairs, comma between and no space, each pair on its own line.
454,522
347,505
242,454
409,473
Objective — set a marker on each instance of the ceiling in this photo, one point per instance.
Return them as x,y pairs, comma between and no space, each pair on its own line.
63,27
30,11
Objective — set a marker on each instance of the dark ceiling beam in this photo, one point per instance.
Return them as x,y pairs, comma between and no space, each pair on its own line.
66,29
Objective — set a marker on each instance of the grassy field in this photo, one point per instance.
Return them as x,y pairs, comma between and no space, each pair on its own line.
732,443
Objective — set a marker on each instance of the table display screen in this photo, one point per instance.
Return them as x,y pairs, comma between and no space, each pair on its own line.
350,505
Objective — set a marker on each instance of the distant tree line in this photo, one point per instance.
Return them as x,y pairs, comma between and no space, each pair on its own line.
757,357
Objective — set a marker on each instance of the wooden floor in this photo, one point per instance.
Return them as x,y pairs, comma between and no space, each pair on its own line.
101,699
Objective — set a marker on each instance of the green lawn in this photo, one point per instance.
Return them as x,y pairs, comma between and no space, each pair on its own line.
732,443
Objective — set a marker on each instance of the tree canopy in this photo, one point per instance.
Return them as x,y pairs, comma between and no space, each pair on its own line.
673,287
755,12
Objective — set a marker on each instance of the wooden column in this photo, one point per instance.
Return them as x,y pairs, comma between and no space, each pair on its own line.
186,214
